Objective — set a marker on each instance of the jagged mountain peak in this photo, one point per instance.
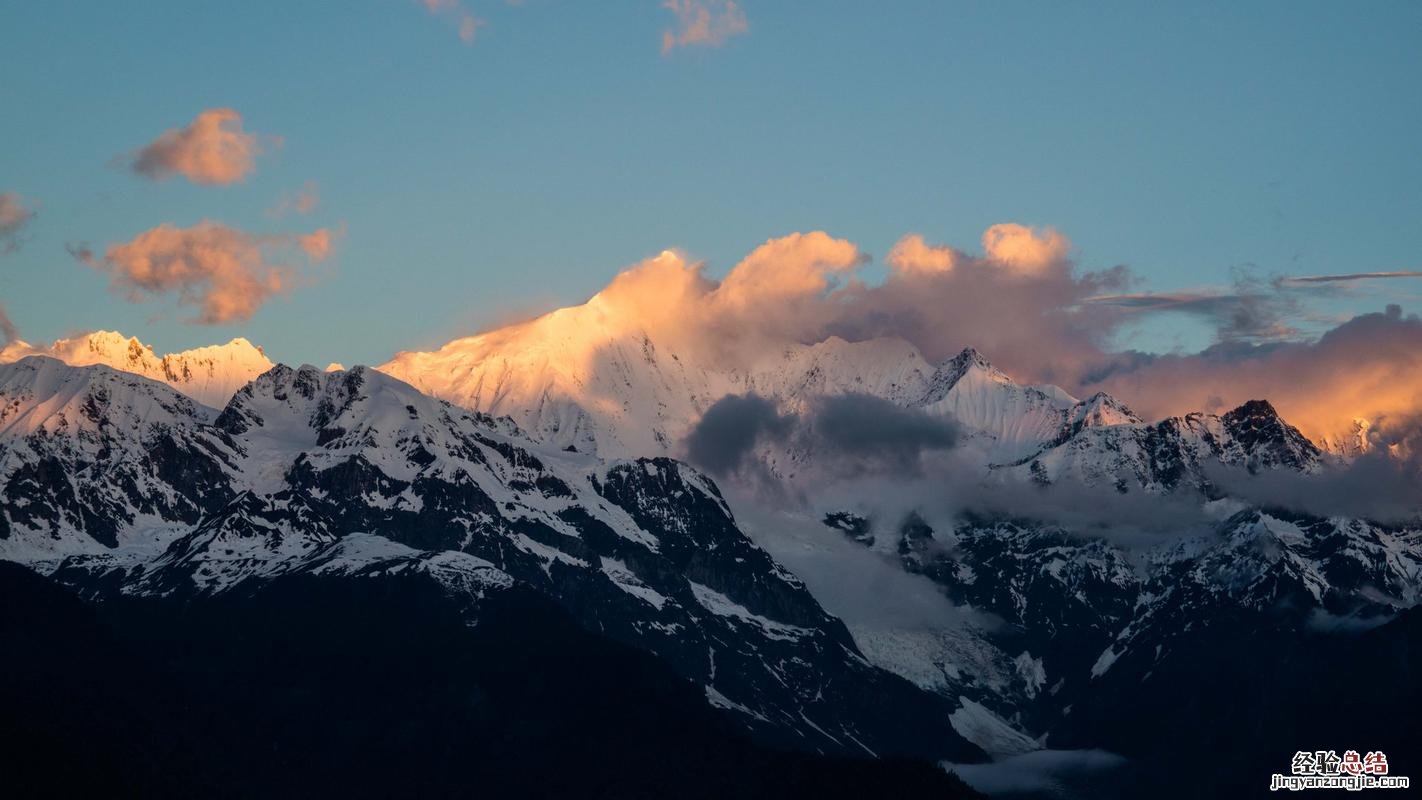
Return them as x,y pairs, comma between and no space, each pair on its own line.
952,370
1271,441
208,374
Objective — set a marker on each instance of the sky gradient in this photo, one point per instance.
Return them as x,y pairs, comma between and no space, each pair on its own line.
468,183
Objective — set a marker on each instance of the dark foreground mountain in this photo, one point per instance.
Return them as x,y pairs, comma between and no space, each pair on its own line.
369,686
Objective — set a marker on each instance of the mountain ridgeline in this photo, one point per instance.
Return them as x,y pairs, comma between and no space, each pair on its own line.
525,483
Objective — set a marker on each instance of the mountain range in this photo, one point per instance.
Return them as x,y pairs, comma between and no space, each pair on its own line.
1078,552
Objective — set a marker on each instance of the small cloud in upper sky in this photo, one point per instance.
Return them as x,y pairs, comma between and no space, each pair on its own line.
706,23
465,23
227,273
303,201
14,217
213,150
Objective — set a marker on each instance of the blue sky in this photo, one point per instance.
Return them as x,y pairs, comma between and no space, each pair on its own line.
480,182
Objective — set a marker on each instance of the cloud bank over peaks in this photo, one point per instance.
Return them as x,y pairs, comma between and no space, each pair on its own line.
1369,368
1041,318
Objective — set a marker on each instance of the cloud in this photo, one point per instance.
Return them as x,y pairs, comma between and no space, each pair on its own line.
1023,248
912,254
226,273
213,149
703,23
1369,367
789,267
8,331
1250,312
466,24
728,432
856,584
303,201
1048,773
875,434
842,435
14,218
804,288
1383,484
1037,315
1349,277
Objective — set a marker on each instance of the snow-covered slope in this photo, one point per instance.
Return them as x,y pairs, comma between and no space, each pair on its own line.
209,375
115,483
92,458
583,376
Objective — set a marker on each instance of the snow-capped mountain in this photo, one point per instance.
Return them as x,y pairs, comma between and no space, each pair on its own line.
585,377
1087,614
1175,453
208,375
120,486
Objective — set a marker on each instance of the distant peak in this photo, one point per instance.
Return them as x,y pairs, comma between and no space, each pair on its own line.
208,374
967,359
1253,409
969,356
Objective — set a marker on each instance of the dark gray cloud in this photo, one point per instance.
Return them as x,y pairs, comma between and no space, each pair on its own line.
850,434
730,429
870,433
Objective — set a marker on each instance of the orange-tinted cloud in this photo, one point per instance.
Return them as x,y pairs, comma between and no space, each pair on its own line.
1029,308
226,273
803,288
913,254
14,217
788,268
466,24
213,149
1369,367
703,23
1023,248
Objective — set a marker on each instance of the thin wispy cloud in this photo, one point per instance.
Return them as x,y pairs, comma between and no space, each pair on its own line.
14,218
213,149
226,273
302,201
1246,314
8,331
703,23
1350,277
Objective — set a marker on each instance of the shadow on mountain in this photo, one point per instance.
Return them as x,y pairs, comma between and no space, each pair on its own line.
368,687
1238,700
